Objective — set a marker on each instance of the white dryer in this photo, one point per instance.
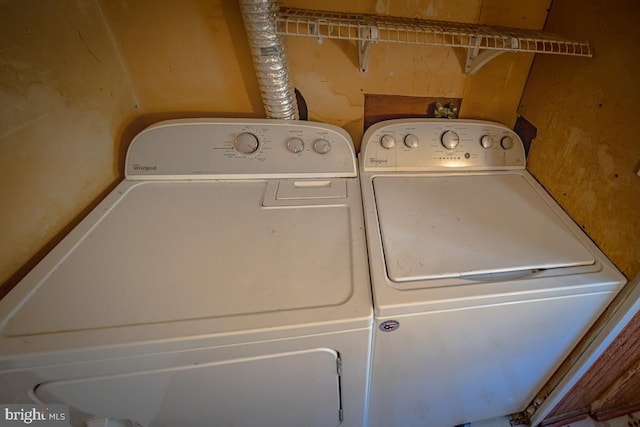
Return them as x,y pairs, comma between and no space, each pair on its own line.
223,282
481,283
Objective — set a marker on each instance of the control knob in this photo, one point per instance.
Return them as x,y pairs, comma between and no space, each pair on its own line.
411,141
450,139
295,145
387,141
486,141
322,146
246,143
506,142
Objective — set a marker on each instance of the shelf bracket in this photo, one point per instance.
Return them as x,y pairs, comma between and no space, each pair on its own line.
315,29
477,59
368,35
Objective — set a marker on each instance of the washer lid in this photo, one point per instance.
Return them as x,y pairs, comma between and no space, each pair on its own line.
458,226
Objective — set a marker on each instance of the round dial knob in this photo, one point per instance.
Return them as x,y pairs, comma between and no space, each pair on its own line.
322,146
450,139
388,141
486,141
246,143
506,142
295,145
411,141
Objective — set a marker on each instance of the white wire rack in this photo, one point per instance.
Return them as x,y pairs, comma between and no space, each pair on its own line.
482,42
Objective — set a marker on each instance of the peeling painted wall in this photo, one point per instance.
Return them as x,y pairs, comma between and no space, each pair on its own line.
64,100
586,154
328,75
186,56
586,110
79,78
195,59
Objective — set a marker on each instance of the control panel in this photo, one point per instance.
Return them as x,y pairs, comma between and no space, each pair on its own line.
236,148
439,145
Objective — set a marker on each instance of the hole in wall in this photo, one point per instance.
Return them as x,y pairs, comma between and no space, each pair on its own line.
303,112
526,131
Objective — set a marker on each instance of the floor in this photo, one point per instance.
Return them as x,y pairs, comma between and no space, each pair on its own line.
631,420
494,422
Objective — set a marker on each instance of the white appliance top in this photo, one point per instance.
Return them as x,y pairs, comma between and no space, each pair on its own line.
449,203
220,225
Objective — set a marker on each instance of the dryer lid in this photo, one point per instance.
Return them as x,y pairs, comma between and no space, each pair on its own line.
435,227
159,252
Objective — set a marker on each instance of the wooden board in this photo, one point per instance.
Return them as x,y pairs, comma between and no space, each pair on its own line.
384,107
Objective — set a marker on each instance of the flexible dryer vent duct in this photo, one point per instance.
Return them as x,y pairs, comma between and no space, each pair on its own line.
269,58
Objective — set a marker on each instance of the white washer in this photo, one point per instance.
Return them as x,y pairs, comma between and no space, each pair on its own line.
481,283
223,282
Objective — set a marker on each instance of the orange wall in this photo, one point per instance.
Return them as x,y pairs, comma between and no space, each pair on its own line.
195,58
587,151
79,78
64,100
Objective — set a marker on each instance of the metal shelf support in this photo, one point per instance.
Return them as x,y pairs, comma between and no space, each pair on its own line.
368,36
477,59
483,43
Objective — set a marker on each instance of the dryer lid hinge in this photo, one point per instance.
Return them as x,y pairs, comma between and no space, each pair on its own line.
339,372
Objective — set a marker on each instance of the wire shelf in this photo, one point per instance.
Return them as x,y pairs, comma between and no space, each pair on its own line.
368,28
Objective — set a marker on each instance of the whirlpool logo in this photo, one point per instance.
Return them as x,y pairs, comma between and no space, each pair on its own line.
143,168
43,415
377,161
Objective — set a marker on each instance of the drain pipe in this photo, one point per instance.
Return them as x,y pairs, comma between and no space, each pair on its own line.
269,58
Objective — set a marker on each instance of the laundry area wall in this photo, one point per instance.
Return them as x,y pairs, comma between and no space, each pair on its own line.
78,78
587,155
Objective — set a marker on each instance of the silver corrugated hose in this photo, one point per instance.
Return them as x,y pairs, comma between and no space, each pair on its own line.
269,58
